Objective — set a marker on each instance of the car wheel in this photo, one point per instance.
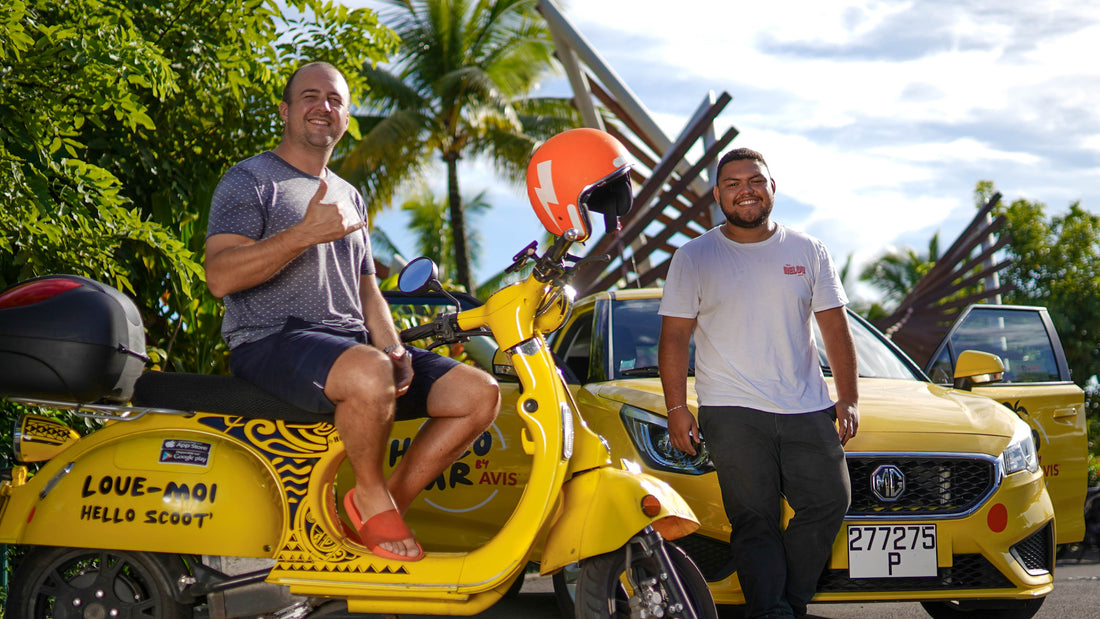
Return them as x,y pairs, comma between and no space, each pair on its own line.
1009,609
62,583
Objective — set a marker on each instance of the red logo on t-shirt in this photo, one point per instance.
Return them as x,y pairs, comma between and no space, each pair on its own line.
794,270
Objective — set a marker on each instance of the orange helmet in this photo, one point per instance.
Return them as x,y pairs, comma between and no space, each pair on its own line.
578,171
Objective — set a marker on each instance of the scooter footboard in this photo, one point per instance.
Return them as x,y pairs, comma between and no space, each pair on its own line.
603,508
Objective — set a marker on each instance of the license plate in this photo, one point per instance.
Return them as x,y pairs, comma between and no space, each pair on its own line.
891,551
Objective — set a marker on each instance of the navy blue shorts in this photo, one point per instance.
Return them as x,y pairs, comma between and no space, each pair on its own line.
294,364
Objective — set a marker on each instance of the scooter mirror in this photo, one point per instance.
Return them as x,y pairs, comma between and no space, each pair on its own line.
417,275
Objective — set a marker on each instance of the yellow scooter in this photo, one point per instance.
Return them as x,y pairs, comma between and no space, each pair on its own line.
191,473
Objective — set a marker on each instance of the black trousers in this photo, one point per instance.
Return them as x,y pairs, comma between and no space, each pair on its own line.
762,458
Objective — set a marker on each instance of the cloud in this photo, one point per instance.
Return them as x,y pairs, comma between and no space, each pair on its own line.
879,94
878,117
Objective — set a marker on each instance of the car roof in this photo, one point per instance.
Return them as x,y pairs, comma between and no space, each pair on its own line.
627,294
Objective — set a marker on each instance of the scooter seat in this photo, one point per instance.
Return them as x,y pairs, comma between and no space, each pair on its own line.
211,393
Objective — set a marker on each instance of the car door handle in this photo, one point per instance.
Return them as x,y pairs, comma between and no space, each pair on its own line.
1065,412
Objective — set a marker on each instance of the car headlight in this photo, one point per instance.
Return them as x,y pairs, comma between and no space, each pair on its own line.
1020,454
649,434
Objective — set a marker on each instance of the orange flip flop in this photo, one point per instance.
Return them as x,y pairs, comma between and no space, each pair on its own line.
383,527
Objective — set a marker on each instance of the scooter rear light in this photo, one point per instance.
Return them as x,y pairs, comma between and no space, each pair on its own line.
37,438
651,506
35,291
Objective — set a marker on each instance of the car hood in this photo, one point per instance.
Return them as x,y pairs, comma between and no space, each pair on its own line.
894,414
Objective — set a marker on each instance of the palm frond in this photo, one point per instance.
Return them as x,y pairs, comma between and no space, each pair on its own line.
456,88
543,117
388,92
389,154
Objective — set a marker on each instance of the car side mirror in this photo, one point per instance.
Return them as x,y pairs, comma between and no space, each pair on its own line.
974,369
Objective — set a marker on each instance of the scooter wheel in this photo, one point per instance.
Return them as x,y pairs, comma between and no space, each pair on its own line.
565,589
602,591
65,583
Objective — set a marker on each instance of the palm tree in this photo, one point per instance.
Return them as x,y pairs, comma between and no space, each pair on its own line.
430,222
896,273
458,87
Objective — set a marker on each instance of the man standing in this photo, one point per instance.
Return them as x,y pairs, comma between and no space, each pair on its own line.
288,250
747,290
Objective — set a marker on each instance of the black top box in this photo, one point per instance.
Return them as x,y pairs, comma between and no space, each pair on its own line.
70,338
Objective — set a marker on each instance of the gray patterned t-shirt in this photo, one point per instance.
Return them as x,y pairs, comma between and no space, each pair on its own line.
262,196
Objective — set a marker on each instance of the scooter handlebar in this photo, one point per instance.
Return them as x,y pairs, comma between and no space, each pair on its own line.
418,332
442,330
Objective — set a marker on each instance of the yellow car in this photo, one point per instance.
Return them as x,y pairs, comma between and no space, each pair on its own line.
950,504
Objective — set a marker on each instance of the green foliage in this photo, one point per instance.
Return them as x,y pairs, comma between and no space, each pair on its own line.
62,74
119,119
458,87
896,272
431,223
1056,264
1092,409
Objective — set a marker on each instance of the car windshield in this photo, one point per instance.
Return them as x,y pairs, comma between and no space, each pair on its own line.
636,327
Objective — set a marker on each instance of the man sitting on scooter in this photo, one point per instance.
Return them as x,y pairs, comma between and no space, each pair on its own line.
288,251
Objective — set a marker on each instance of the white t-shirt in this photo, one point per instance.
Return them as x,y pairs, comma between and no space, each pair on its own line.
753,302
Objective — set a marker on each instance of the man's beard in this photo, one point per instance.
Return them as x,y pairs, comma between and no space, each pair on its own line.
748,224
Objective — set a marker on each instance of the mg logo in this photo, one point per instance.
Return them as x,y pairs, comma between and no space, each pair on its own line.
888,483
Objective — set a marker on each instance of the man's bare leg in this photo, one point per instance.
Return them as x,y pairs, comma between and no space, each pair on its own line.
462,404
360,383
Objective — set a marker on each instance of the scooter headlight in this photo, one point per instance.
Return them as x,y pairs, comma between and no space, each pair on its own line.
1020,454
649,433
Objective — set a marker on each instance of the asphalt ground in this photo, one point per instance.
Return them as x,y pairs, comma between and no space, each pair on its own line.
1076,595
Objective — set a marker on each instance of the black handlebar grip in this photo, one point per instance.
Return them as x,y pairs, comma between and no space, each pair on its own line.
418,332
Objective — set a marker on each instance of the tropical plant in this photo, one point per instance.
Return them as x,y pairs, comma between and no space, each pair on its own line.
871,309
457,88
385,253
430,222
896,272
1056,263
119,119
1053,261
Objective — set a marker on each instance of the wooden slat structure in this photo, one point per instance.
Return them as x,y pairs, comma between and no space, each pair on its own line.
673,201
965,274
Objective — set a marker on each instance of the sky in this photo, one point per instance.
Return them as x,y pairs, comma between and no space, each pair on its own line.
877,117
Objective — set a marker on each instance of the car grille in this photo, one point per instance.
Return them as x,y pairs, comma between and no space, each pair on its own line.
933,485
968,572
1036,552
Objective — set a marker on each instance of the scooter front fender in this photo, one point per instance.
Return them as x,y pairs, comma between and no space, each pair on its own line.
603,508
